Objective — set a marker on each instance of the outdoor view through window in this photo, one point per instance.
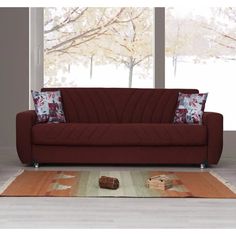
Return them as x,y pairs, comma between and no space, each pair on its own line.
113,47
201,53
98,47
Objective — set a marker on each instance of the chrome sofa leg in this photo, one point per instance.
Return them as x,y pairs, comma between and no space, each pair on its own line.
36,165
203,165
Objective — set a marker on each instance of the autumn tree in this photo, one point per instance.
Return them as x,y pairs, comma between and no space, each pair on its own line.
222,30
187,38
203,36
96,35
132,42
67,32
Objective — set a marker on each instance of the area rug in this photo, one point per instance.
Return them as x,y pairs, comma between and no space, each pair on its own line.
132,184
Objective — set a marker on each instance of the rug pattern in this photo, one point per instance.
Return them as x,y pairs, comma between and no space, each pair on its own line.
132,184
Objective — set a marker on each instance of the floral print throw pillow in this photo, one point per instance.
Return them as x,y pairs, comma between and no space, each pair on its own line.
190,108
48,106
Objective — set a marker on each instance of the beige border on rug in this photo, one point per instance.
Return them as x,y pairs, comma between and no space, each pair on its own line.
10,180
224,181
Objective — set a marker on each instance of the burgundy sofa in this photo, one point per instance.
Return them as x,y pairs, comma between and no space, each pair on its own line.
119,126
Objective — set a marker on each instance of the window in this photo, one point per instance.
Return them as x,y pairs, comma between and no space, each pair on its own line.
200,53
114,47
98,47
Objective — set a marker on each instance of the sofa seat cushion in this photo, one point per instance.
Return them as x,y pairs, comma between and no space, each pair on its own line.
80,134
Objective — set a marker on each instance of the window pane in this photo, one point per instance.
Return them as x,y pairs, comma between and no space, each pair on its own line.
98,47
201,53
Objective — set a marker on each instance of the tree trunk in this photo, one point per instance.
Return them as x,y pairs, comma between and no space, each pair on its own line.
175,61
91,67
131,69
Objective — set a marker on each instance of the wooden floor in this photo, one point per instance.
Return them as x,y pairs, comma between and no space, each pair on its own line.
116,212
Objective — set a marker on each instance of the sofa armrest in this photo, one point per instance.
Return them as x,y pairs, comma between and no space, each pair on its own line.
24,122
214,123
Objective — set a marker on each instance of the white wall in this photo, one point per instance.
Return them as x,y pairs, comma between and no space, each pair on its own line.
14,70
229,144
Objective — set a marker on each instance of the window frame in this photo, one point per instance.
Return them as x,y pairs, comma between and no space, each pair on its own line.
36,69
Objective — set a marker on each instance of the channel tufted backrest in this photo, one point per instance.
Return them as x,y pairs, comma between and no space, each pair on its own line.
119,105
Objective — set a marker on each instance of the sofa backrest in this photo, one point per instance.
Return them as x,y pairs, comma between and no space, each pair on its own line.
119,105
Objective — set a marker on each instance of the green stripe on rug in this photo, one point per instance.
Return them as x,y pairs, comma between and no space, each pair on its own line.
83,184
